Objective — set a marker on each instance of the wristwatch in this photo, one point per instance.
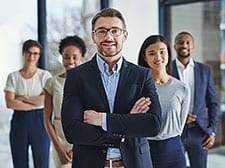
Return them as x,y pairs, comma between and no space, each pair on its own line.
213,134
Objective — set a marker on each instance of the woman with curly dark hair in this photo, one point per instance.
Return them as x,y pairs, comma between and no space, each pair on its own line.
72,49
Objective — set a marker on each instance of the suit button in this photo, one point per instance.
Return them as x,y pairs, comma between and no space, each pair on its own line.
104,151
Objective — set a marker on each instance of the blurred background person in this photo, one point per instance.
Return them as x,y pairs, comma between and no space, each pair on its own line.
72,49
24,94
166,148
201,124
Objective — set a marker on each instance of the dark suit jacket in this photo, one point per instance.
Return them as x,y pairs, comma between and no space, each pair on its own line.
204,97
84,90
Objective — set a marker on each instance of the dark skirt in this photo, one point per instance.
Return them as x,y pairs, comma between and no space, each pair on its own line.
168,153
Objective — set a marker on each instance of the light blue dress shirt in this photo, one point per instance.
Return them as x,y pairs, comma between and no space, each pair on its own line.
110,82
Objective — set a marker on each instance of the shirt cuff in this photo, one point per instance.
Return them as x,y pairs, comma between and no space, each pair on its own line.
104,124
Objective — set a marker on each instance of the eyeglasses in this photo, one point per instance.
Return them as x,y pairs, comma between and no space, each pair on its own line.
33,53
115,32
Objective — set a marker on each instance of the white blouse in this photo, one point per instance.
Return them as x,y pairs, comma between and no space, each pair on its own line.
33,86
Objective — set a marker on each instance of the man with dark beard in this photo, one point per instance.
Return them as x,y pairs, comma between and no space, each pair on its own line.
98,115
201,125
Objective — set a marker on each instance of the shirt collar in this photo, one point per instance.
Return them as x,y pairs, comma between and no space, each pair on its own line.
103,66
190,64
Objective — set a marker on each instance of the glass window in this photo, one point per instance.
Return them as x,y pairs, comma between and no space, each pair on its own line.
18,22
203,23
69,17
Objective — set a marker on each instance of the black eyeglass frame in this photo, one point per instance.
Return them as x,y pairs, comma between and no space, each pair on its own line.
109,30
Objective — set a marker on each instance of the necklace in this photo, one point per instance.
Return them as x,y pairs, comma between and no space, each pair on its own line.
158,83
162,81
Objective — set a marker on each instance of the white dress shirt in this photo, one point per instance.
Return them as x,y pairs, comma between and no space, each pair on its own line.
186,75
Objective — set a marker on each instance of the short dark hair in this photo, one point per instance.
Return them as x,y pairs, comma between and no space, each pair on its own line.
75,41
108,12
151,40
31,43
183,33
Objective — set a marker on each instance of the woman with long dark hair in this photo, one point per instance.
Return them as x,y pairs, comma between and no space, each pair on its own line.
174,96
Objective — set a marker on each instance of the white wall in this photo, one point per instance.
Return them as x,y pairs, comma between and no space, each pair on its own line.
142,21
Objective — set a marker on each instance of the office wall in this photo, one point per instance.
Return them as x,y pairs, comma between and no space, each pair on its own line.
142,21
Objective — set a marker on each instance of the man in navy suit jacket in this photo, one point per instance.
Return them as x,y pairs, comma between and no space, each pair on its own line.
97,110
202,120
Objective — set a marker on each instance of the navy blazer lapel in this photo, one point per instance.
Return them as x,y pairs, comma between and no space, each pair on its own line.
197,81
96,76
175,70
124,72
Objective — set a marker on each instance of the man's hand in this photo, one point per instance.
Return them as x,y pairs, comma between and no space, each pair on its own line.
92,117
141,105
209,142
191,118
